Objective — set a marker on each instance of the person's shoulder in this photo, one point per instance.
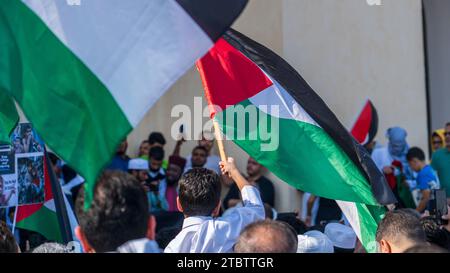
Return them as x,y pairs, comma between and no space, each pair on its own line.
380,150
264,180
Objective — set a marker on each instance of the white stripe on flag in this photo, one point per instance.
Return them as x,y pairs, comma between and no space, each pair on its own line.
138,48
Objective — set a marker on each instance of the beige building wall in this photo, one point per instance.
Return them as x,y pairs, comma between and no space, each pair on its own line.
347,50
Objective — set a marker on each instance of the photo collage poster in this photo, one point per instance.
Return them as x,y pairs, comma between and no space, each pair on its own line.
22,168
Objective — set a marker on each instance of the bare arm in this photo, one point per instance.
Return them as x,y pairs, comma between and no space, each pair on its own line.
424,201
229,168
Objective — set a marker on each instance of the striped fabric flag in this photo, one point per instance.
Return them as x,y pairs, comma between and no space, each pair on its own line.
43,218
314,152
85,75
366,125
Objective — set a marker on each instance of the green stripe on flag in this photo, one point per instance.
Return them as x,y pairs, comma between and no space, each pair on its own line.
307,157
43,221
8,116
71,109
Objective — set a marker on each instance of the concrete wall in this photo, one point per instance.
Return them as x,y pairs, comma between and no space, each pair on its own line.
438,38
347,50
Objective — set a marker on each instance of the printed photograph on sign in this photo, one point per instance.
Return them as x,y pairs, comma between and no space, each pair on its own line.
30,178
8,179
24,140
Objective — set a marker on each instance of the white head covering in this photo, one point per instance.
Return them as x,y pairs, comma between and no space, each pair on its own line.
342,236
314,242
139,246
138,164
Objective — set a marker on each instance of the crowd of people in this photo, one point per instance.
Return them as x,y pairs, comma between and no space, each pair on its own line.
200,204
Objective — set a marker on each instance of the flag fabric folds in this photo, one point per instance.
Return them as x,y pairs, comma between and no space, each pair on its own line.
366,125
86,75
314,151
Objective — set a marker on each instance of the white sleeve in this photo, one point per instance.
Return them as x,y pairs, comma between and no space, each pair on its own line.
239,218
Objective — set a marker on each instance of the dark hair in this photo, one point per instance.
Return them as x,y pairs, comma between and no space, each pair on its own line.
8,243
199,192
118,213
447,124
166,235
156,153
426,248
267,236
156,137
434,233
415,152
200,148
399,224
290,219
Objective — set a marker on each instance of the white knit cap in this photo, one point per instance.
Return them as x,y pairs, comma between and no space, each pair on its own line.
314,242
138,164
342,236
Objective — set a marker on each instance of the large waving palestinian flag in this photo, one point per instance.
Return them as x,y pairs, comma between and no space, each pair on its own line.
315,153
85,75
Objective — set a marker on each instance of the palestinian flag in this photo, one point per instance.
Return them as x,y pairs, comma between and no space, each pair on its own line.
259,100
366,125
86,75
43,218
8,117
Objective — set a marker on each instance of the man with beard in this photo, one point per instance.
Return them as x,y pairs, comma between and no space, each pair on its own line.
257,179
198,158
169,186
120,160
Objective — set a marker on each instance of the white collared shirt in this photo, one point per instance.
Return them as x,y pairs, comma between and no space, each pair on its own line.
218,235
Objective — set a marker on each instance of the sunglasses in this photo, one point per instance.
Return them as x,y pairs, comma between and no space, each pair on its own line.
437,142
447,134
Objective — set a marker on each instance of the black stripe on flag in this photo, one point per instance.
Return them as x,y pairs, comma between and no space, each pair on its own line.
213,16
299,89
373,129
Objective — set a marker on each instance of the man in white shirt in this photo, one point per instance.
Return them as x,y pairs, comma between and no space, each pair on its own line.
199,200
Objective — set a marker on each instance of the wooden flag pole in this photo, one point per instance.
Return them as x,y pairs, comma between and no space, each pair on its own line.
219,139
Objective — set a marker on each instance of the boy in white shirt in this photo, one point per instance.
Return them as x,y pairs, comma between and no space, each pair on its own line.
199,200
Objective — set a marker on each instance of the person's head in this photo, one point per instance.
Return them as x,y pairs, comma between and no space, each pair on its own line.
155,158
293,221
118,213
438,140
175,169
397,141
314,242
199,157
51,248
144,148
199,193
447,135
254,168
267,236
26,131
426,248
398,231
416,159
122,148
434,233
207,141
343,237
156,139
138,168
8,243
